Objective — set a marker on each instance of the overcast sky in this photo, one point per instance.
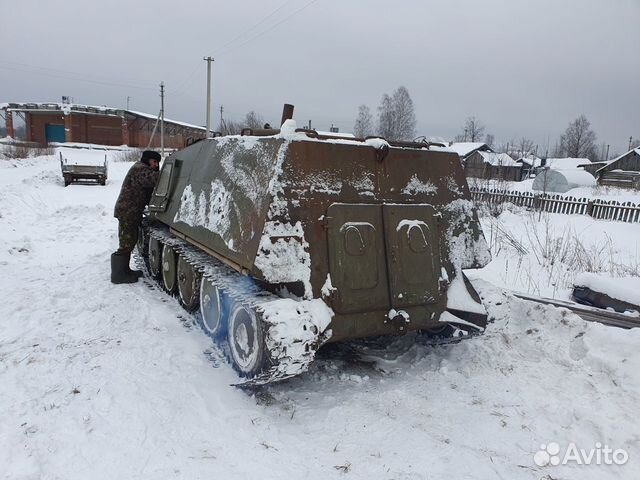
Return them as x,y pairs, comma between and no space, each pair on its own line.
524,68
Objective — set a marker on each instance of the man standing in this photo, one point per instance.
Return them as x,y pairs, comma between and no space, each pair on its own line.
135,194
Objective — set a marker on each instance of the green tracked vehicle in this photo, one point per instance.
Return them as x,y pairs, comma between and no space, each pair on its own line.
286,239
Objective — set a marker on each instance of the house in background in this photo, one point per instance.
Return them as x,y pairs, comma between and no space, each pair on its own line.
466,149
492,166
592,167
623,171
64,123
567,163
530,164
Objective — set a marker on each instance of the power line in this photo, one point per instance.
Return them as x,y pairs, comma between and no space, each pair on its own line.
64,74
235,47
260,22
179,90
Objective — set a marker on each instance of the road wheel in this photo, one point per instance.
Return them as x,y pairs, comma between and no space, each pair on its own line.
246,341
211,308
169,277
188,284
154,255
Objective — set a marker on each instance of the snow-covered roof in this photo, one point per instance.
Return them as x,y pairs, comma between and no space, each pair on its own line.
498,159
566,163
175,122
88,109
530,161
633,150
464,149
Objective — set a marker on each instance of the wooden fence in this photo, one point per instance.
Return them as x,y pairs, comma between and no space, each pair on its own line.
596,208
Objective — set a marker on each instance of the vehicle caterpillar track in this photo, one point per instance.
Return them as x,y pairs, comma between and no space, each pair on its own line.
206,277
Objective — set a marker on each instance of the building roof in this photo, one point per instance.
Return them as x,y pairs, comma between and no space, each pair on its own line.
635,151
464,149
568,163
67,108
531,161
498,159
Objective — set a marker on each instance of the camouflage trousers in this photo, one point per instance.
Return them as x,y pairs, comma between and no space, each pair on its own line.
127,236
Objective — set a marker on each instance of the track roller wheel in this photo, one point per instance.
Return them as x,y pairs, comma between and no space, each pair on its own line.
246,341
212,308
188,284
154,254
143,239
169,277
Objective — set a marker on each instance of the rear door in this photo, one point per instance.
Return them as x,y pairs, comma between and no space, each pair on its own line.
357,257
383,256
413,254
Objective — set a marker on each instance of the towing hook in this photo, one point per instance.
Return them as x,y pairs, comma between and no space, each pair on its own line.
400,321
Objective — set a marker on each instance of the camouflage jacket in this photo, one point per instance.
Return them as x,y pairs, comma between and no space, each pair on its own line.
135,192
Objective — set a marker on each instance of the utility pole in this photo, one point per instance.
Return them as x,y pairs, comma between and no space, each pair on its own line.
162,119
221,119
128,98
208,60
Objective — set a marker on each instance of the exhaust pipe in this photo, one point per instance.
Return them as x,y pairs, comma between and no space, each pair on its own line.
287,113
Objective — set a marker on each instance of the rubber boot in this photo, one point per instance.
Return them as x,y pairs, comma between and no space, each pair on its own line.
137,273
120,272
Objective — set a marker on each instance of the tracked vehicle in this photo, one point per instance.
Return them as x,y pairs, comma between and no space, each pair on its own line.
286,239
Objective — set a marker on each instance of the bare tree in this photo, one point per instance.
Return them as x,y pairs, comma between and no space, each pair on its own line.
524,146
229,127
396,116
473,131
405,115
635,142
253,120
385,118
489,139
578,140
364,123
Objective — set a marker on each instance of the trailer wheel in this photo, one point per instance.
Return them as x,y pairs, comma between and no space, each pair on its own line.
169,276
188,284
246,341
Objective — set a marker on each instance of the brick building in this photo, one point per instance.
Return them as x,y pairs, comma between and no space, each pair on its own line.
58,122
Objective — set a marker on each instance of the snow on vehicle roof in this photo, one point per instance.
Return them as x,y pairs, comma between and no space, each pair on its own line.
498,159
335,134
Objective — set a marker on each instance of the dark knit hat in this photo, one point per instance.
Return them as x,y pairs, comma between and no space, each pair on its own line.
150,155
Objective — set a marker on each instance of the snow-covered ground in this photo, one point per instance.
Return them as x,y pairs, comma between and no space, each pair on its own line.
102,381
602,192
541,254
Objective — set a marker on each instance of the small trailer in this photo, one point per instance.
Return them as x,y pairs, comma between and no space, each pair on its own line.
72,172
